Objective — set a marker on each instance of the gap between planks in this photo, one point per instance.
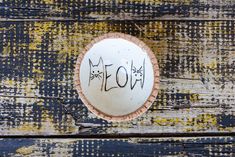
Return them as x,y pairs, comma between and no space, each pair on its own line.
126,135
110,20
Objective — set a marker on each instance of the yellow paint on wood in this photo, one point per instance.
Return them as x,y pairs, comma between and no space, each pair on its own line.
194,98
212,64
6,51
25,150
158,1
200,122
49,1
9,83
37,33
6,29
73,41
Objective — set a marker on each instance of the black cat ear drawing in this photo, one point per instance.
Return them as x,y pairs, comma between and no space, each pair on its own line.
90,63
100,61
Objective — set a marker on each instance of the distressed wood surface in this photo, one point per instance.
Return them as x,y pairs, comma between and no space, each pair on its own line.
193,41
196,146
196,60
116,10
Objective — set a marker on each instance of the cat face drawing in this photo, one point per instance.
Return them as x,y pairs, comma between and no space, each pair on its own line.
137,75
96,71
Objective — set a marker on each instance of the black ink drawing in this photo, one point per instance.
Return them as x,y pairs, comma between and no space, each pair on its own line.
101,73
137,75
106,79
96,71
124,71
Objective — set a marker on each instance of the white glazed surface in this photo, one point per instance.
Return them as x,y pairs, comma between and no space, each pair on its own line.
107,56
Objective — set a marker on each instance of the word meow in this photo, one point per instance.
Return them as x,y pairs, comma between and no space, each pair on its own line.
120,78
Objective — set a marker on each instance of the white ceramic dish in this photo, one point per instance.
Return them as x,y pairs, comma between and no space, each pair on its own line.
117,77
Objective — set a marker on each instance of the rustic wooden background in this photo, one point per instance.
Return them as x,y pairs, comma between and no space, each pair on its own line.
193,115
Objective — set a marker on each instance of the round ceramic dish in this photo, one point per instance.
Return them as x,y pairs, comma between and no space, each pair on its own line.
117,77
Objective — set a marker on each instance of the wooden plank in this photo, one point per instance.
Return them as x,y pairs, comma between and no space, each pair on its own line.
193,146
117,10
196,60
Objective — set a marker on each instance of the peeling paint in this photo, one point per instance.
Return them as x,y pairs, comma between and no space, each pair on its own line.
196,72
170,146
25,150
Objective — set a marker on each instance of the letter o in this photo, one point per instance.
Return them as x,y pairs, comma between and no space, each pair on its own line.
117,78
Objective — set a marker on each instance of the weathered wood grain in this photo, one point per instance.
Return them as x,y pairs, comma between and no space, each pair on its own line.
117,10
193,146
196,60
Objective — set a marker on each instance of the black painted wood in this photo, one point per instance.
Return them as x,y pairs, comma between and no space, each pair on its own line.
117,10
192,146
193,41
